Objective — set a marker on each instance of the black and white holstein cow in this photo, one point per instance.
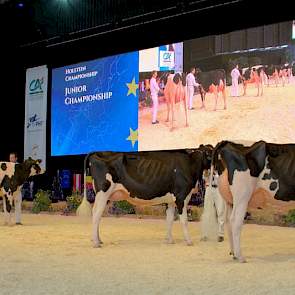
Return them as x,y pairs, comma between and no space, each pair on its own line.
251,176
12,177
148,178
212,82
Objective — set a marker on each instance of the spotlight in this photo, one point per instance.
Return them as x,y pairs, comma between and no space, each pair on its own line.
20,5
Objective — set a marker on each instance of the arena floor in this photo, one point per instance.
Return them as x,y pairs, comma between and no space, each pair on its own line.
52,254
249,118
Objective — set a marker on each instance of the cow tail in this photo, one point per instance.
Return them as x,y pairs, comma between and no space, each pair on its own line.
209,225
85,208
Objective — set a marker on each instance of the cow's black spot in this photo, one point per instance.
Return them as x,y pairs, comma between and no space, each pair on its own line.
273,186
8,206
3,166
106,185
266,176
267,166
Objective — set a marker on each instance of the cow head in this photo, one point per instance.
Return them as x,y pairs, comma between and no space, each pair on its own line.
202,156
207,151
32,167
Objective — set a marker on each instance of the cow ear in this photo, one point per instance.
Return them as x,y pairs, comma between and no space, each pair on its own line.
3,166
29,158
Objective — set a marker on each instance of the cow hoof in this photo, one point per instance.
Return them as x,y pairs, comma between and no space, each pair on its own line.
97,245
18,223
220,239
231,253
100,241
189,243
169,241
242,260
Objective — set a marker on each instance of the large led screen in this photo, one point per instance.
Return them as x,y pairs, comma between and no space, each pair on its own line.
94,104
236,86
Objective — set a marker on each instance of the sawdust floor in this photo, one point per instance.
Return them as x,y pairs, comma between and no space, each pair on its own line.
52,254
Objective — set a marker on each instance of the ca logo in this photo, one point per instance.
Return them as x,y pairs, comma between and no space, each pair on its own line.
36,86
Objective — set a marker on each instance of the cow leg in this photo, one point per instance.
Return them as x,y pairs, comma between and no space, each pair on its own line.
258,88
220,211
237,220
229,210
202,96
7,210
216,98
242,189
224,98
185,110
169,221
168,111
244,88
172,111
18,206
182,209
101,199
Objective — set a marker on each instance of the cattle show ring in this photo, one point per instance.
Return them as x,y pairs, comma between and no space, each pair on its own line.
134,254
164,170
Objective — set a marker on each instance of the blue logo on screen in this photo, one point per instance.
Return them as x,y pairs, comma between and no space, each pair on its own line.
167,56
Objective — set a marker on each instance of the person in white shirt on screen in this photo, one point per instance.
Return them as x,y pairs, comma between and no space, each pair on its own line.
191,84
154,87
235,75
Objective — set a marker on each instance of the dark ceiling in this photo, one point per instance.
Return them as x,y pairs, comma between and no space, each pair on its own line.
45,23
60,32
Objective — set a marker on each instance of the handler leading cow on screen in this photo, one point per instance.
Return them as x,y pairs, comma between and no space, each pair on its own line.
147,178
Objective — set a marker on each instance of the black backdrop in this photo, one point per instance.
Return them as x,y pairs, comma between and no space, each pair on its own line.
15,59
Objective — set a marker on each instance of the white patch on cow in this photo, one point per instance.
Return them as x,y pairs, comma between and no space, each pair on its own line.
183,220
101,199
242,189
17,196
109,177
93,185
265,183
33,171
169,221
242,181
121,193
9,170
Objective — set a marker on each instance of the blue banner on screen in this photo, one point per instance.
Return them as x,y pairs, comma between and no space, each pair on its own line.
95,106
